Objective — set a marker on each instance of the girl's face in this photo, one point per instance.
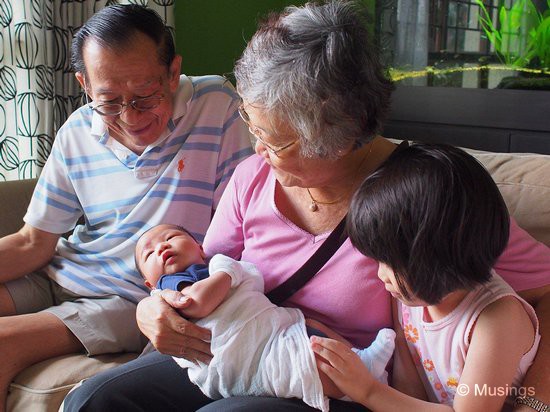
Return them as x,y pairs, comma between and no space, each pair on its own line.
387,275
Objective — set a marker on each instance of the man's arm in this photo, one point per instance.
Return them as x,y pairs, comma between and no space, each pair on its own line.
24,251
538,373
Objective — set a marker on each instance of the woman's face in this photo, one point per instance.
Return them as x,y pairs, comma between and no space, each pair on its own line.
280,146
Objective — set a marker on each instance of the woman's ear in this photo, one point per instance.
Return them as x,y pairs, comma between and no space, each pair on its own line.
148,284
203,255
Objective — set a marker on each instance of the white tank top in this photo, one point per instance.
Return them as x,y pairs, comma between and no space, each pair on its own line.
439,348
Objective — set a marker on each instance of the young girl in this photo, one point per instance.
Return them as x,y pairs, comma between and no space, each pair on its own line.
435,220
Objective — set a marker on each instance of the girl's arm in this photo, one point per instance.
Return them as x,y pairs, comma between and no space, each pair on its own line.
405,375
503,333
537,375
525,265
353,378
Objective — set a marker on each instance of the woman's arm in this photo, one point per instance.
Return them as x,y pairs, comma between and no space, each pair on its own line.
168,331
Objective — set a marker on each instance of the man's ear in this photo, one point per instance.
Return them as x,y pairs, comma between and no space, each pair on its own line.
174,73
81,79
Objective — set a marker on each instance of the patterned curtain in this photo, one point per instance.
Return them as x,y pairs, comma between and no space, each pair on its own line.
38,91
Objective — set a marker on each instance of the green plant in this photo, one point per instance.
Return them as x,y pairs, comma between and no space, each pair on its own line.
522,35
539,37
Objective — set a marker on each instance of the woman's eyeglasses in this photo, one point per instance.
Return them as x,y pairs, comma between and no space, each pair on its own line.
255,131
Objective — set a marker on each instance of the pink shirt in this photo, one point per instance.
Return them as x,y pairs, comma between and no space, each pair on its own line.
346,294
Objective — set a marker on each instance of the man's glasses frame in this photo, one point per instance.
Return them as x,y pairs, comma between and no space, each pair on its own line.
141,104
255,132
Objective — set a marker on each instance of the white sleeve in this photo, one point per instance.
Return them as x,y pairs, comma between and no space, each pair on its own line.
240,272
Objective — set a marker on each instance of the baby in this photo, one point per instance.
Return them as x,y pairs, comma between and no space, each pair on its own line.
259,349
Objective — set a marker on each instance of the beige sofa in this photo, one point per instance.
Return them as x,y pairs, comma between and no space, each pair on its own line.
43,386
524,180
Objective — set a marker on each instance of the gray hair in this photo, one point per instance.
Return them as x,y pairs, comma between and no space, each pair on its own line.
314,68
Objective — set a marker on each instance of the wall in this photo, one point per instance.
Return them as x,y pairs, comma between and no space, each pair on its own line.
497,120
211,34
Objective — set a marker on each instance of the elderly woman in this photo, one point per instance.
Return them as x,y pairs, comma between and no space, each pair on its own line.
314,97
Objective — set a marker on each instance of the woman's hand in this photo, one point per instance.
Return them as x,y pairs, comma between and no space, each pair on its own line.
343,367
171,334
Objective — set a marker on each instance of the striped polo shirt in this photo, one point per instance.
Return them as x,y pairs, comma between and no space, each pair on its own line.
178,179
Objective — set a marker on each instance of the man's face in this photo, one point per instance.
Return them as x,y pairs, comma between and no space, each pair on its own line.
165,249
121,76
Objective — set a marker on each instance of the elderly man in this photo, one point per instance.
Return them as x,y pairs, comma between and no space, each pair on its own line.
152,147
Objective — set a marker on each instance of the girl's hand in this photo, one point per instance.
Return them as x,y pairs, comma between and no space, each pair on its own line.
343,367
170,333
326,330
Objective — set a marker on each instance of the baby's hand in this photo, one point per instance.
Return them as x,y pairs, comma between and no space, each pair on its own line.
343,367
185,301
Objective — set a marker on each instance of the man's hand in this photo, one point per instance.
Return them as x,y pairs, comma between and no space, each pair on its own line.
171,334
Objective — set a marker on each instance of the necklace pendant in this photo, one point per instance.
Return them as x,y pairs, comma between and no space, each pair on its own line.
313,206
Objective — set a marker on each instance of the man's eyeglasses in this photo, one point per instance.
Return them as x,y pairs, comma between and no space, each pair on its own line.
255,131
142,104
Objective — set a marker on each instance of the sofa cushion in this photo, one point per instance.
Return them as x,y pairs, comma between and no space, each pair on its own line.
524,181
14,199
43,386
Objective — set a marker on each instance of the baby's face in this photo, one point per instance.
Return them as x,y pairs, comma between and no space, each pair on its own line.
166,249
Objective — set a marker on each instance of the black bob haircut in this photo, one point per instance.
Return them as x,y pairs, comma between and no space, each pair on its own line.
115,27
434,215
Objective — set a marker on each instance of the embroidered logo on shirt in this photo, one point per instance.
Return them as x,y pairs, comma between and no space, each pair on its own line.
181,165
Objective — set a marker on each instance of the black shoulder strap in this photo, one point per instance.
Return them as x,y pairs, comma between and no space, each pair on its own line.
310,268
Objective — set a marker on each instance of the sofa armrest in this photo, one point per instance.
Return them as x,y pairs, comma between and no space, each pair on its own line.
14,199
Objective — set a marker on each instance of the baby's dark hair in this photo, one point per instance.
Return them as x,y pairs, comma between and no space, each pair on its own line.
177,227
434,215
